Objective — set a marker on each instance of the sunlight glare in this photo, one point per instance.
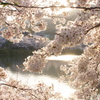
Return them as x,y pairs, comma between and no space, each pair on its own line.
32,80
73,1
63,2
62,57
10,18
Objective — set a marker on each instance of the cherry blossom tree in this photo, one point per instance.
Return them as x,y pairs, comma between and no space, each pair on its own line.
83,74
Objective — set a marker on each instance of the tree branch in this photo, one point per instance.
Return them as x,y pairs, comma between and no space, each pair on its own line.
86,8
14,86
98,25
44,7
23,89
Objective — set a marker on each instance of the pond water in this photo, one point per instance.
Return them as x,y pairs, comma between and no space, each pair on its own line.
52,67
50,74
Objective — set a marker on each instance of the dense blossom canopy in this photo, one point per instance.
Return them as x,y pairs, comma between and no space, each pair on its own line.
19,16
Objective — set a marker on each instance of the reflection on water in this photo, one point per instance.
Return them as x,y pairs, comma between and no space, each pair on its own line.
62,57
52,67
49,75
31,80
11,61
54,63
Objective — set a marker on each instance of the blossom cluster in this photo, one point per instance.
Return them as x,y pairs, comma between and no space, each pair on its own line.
84,74
2,74
14,89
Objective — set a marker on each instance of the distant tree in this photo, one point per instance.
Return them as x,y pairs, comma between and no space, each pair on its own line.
84,74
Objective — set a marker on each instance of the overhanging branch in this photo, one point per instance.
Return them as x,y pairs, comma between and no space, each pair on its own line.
23,89
98,25
44,7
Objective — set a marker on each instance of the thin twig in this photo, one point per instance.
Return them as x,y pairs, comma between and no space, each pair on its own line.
86,8
14,86
23,89
98,25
